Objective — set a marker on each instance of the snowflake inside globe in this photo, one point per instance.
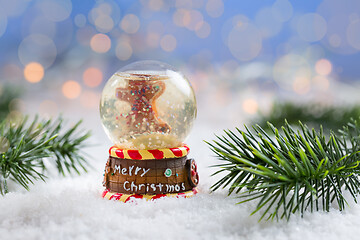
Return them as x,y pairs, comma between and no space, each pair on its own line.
147,105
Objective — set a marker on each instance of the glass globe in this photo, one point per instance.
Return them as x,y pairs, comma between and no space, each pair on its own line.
147,105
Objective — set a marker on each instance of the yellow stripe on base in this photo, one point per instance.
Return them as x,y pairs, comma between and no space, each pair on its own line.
168,153
148,154
112,151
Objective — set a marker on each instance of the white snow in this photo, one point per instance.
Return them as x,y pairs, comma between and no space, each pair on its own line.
72,208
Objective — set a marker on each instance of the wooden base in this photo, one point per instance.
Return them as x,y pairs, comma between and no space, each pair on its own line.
150,173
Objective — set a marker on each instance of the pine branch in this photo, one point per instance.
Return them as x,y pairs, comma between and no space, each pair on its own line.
24,146
313,114
293,172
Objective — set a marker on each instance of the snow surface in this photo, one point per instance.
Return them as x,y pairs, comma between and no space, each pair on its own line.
72,207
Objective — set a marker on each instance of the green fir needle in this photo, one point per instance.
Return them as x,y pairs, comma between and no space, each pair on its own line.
26,144
291,171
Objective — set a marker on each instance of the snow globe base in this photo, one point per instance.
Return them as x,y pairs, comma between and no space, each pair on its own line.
149,174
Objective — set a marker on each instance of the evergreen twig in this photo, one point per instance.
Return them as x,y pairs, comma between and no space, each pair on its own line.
291,172
313,114
25,145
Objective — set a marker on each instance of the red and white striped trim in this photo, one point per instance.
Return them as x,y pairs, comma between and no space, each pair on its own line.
149,154
129,197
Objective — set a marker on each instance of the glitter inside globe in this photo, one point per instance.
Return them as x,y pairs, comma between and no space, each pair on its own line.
147,105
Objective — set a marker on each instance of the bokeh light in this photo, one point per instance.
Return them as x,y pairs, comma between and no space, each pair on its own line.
335,41
130,23
282,10
104,23
250,106
272,49
34,72
340,16
152,40
195,17
168,43
100,43
80,20
123,50
92,77
71,89
301,85
40,25
99,10
353,34
202,29
215,8
56,10
108,8
37,48
323,67
181,17
156,5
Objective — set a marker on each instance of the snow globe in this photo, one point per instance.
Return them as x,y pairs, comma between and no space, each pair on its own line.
147,110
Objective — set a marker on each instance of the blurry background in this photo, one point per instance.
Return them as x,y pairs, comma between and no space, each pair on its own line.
241,57
248,61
